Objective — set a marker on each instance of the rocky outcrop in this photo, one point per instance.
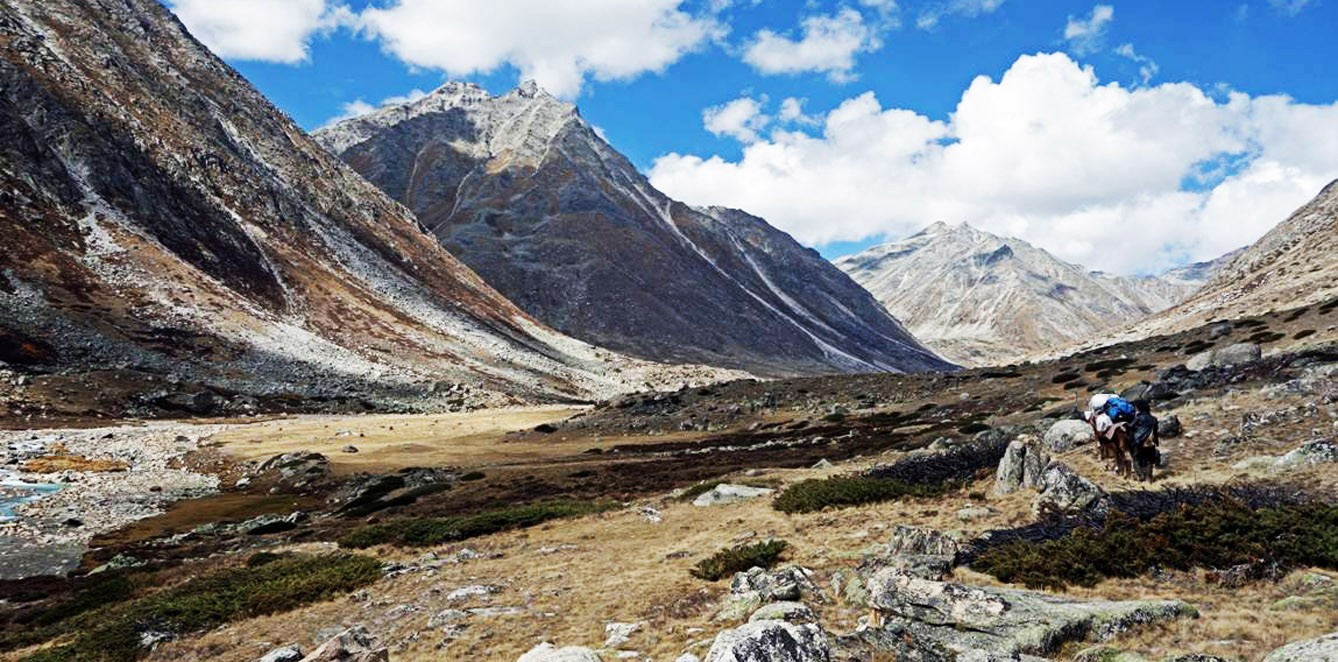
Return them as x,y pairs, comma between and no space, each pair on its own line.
283,654
1022,466
525,192
1225,357
726,493
355,644
547,652
1067,435
755,587
1063,490
1003,622
919,552
1320,649
790,612
770,641
1312,453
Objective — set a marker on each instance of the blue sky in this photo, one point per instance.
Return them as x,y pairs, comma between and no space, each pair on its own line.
1247,81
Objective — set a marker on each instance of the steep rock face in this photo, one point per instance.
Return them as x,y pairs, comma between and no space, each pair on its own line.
523,191
980,299
162,218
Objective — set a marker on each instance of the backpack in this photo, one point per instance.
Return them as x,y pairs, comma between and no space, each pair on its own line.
1144,428
1119,409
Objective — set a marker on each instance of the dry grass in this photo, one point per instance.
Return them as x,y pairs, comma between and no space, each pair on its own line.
50,464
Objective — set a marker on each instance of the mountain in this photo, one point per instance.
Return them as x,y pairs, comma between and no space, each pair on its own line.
980,299
526,193
1294,265
171,238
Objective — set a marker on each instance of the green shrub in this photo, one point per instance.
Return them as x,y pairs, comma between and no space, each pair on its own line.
113,633
432,531
1215,536
726,562
844,491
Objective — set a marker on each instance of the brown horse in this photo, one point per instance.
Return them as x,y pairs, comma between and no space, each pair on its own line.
1116,446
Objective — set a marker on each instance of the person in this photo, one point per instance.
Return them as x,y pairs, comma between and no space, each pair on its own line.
1146,443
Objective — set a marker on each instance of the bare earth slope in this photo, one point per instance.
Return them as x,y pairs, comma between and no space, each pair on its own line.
168,234
980,299
525,192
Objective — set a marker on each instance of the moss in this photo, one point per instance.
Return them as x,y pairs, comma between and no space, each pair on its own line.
431,531
844,491
726,562
1214,536
114,633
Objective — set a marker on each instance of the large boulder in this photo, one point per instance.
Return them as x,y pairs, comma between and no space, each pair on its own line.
294,470
1022,466
920,552
1067,435
790,612
355,644
1063,490
726,493
547,652
754,587
291,653
1320,649
997,623
1321,451
1226,356
771,641
1169,427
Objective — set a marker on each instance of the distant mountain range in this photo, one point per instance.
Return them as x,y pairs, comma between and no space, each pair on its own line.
524,191
979,299
172,240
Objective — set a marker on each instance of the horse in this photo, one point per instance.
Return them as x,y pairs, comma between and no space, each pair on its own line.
1116,446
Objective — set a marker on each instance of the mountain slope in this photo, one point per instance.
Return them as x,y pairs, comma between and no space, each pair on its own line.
168,231
979,299
1294,265
522,190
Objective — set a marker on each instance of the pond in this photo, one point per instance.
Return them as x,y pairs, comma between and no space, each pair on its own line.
15,493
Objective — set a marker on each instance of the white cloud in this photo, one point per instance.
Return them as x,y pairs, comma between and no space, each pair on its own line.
1093,172
266,30
1290,7
740,119
360,107
557,44
792,111
828,45
931,15
1085,35
1147,67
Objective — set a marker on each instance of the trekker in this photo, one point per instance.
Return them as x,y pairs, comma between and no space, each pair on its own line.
1144,439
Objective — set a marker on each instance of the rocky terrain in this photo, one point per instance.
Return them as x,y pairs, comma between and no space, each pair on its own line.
979,299
907,506
175,244
525,192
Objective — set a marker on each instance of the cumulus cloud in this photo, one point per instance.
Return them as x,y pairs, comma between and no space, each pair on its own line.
265,30
360,107
1147,67
1125,180
740,119
930,16
1085,35
828,45
558,44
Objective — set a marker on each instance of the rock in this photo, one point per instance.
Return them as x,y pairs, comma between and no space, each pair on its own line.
350,449
1063,490
914,540
266,524
619,633
547,652
467,592
823,464
1309,454
972,513
770,641
1022,466
726,493
1320,649
289,653
790,612
295,469
1107,654
1067,435
782,584
1004,622
1226,356
687,657
355,644
1169,427
919,552
364,495
446,617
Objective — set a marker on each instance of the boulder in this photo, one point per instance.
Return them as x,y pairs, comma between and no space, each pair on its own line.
1022,465
1067,435
617,634
770,641
1063,490
1320,649
779,585
296,469
1169,427
726,493
790,612
1226,356
290,653
352,645
997,622
1311,453
547,652
920,552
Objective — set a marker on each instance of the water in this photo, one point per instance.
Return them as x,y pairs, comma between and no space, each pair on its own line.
14,494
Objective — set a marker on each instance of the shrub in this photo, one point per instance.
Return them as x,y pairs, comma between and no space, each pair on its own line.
842,491
1216,536
114,633
474,475
432,531
726,562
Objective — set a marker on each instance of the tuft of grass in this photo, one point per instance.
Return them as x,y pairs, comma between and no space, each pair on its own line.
421,532
114,633
843,491
1221,535
730,560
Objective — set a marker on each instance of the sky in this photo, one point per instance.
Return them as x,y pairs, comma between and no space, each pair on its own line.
1127,136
